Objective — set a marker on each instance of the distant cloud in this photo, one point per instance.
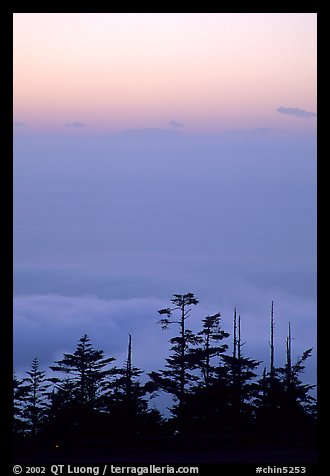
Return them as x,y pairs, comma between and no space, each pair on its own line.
75,124
19,124
174,123
295,111
261,130
230,132
148,132
49,325
46,325
249,132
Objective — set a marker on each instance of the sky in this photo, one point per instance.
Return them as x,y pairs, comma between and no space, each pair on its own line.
158,154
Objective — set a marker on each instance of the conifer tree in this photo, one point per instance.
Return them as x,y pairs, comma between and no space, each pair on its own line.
298,407
78,398
268,413
207,401
178,376
209,348
124,398
35,399
241,380
20,392
63,413
87,369
284,402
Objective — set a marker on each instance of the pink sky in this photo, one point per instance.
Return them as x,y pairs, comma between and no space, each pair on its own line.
209,71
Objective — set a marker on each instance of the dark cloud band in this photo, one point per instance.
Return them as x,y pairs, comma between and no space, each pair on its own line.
174,123
75,124
295,111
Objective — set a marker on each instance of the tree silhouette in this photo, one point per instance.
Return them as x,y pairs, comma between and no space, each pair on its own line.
241,380
268,401
20,392
63,409
35,397
216,393
210,337
297,405
177,376
284,402
207,403
124,398
86,370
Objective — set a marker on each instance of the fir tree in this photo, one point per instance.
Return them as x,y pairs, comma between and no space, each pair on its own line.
268,412
207,402
87,369
79,395
20,392
298,407
35,398
210,348
124,398
284,401
177,377
241,376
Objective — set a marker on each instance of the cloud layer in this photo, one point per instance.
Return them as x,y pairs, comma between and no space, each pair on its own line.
75,124
49,325
176,124
295,111
113,226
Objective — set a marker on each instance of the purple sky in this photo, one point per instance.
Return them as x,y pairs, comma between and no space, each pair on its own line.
107,228
158,154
